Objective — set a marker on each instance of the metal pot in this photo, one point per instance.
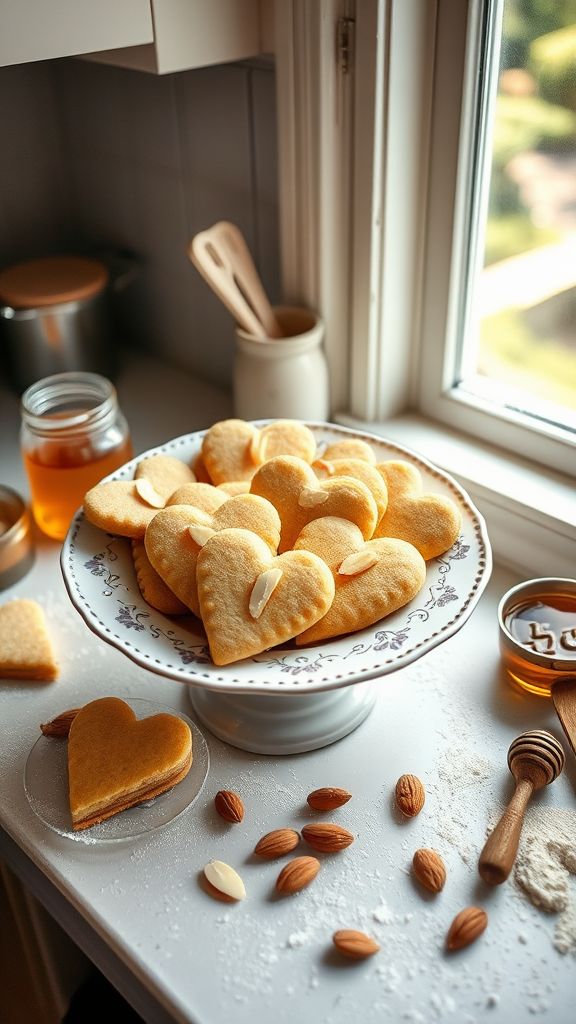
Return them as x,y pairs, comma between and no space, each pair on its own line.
55,317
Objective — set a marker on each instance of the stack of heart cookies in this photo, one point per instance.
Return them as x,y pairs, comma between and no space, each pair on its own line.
266,540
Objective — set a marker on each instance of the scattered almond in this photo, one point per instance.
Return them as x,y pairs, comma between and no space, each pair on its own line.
327,837
328,798
323,468
466,927
297,874
410,795
229,805
200,533
353,944
60,726
428,868
148,493
277,843
311,496
357,562
262,591
225,879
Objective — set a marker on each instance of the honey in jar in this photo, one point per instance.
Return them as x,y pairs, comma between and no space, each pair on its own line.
538,632
73,434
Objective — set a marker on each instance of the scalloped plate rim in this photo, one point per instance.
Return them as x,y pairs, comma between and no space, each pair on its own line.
235,678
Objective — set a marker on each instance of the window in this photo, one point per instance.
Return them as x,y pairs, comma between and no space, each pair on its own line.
505,347
384,174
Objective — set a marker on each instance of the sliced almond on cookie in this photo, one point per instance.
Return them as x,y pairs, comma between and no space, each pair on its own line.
262,591
148,493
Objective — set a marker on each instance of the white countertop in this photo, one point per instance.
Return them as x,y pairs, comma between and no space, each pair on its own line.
137,907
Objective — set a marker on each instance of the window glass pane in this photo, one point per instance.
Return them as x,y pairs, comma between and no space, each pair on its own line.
522,327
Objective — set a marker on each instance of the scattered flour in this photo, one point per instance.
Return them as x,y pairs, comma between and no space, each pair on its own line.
545,863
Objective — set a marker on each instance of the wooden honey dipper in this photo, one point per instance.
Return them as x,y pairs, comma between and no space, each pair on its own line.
535,759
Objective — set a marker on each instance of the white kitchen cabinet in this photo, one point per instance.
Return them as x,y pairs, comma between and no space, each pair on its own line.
159,36
196,33
40,29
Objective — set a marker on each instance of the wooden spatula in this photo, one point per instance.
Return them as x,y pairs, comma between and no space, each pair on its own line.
221,255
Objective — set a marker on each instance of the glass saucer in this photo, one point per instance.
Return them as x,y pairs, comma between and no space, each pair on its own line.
46,787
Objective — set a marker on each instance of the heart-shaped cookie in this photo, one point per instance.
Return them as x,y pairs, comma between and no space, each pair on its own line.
299,496
118,506
201,495
350,448
251,601
372,578
431,522
173,549
165,473
151,585
359,469
232,450
116,761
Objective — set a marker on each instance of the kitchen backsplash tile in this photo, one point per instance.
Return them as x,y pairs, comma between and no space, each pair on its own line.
106,157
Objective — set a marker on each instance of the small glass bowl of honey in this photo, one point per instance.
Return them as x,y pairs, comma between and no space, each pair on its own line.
537,622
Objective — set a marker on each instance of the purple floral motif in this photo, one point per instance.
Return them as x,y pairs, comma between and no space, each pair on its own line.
448,594
459,550
193,657
390,639
95,566
300,664
124,617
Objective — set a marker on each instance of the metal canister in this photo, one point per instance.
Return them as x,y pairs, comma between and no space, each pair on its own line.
54,318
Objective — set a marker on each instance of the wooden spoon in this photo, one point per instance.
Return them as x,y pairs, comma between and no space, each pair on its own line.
535,759
223,258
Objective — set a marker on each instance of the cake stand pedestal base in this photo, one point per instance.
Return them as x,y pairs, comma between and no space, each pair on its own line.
278,724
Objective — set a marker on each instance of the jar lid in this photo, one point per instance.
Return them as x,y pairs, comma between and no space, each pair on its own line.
50,281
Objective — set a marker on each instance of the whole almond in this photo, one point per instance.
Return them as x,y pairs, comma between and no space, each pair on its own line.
428,868
297,874
229,805
327,837
60,726
466,927
328,798
277,843
410,795
353,944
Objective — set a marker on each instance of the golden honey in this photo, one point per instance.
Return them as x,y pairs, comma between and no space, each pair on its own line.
538,633
73,434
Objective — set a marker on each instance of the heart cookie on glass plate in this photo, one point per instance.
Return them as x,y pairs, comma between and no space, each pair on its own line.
431,522
299,496
178,532
116,760
372,578
251,601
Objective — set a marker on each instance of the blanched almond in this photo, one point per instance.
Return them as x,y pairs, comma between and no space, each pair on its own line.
255,449
357,562
200,534
148,493
225,879
262,591
310,497
323,468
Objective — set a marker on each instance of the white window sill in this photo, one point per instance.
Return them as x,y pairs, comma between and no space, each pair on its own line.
530,511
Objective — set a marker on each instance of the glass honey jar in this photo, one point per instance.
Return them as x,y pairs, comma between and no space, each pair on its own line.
73,434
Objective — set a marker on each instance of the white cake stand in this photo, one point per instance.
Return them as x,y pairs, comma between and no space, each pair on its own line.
288,699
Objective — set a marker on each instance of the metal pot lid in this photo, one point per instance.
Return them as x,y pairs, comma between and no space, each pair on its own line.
51,281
